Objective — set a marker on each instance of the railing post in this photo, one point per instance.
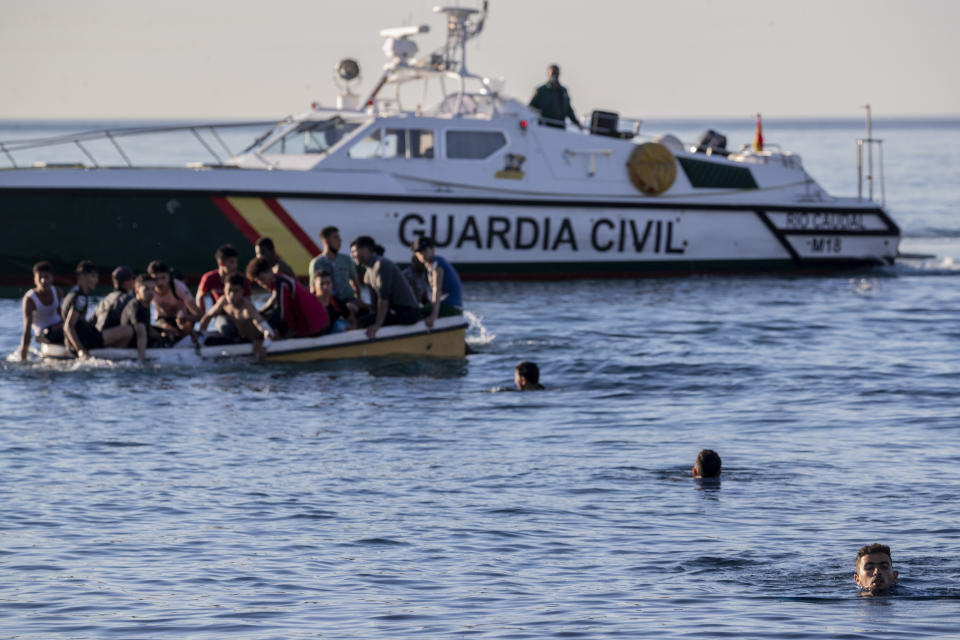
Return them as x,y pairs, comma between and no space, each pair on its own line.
859,168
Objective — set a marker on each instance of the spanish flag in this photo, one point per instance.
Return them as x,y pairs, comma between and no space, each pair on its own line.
758,139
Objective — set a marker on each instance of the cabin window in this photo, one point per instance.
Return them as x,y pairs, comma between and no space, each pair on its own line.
312,137
395,143
474,145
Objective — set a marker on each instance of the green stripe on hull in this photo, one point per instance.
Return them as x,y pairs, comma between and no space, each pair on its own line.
112,229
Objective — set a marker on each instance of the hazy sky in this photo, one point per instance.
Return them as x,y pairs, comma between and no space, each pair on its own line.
644,58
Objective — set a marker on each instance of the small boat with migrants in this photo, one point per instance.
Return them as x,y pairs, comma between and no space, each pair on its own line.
434,149
446,339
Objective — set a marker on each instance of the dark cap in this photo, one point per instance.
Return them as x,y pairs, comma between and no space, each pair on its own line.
122,274
422,243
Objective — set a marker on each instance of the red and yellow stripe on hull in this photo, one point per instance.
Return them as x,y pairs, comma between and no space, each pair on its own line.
259,217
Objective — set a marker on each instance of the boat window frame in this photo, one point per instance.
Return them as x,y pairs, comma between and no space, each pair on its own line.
302,127
449,130
383,131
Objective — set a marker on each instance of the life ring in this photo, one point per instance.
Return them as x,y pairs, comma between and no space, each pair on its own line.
652,168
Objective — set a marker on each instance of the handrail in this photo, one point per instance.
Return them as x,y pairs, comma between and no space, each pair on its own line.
9,147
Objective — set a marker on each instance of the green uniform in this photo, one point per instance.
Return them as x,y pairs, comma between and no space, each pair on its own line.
553,103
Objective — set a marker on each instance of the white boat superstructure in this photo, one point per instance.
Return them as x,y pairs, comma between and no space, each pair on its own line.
437,150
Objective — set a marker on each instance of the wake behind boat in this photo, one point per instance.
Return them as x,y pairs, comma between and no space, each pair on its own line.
447,339
504,192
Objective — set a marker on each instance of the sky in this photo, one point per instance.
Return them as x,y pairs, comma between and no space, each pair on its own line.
234,59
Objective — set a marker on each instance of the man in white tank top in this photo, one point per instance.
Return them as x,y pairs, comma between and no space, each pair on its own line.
41,310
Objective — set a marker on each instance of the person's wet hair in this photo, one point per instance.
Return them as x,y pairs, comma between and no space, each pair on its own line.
708,464
43,267
876,547
530,371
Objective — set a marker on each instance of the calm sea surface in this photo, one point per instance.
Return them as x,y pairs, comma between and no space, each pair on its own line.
412,499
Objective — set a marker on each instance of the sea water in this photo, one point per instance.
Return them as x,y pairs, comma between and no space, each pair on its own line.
394,498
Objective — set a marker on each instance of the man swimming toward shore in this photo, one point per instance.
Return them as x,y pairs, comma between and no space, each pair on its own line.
707,465
874,569
526,376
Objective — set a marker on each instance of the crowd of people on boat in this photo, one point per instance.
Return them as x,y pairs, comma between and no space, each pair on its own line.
157,308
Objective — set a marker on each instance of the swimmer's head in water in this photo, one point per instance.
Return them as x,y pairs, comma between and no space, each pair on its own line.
874,568
707,464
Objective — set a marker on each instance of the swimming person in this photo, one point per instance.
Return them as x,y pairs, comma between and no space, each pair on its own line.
707,465
526,376
874,569
41,313
236,306
447,292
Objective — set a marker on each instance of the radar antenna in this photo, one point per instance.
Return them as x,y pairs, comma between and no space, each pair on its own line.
462,25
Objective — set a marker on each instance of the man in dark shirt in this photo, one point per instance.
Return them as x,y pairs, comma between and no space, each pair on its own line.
395,302
81,334
108,311
553,102
136,315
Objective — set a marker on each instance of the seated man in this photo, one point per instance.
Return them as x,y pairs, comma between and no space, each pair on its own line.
707,465
81,334
526,376
41,314
212,281
341,316
346,282
136,317
297,313
250,325
176,308
264,249
447,293
109,309
395,302
874,569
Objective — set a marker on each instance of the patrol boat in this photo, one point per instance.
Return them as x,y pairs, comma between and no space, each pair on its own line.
434,149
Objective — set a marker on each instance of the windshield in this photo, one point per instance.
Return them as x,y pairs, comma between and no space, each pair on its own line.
312,137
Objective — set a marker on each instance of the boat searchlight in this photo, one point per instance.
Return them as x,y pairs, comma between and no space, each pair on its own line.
398,47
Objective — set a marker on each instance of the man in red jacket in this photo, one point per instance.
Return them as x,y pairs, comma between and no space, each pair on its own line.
295,312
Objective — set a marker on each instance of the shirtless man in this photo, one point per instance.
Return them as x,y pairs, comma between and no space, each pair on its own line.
41,312
245,317
176,308
212,281
874,569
